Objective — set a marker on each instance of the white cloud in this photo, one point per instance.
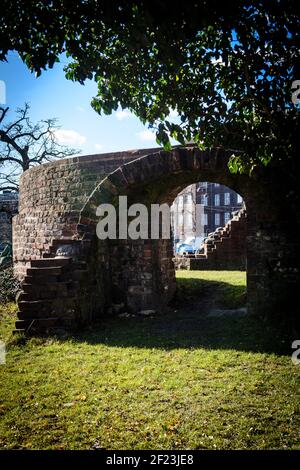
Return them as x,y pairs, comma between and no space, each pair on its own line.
69,137
123,114
80,109
173,113
98,146
146,135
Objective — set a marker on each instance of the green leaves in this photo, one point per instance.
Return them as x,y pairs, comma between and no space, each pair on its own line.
162,137
227,69
236,164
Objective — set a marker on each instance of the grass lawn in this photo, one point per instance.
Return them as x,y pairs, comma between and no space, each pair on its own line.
180,380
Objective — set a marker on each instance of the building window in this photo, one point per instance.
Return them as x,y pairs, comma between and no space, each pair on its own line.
203,199
226,217
217,199
216,185
217,220
239,199
205,217
227,199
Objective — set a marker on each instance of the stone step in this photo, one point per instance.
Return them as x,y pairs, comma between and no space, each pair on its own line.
49,271
38,293
36,289
41,280
51,262
36,308
65,241
41,306
33,325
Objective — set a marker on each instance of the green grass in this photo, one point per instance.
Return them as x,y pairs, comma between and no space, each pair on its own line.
179,380
226,288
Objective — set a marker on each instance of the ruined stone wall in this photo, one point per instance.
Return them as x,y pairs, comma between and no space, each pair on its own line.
58,202
51,197
143,275
273,249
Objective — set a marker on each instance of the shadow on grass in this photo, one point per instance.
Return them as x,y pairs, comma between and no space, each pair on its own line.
179,330
186,324
224,294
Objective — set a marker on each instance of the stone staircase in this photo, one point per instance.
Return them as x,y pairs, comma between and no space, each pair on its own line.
49,291
223,249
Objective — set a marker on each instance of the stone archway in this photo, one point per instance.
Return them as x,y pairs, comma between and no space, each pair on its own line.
93,274
142,271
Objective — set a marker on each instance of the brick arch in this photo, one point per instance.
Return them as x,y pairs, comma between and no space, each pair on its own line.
159,176
57,216
142,271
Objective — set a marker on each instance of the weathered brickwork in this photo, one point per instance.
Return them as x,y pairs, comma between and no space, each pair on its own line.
51,197
57,217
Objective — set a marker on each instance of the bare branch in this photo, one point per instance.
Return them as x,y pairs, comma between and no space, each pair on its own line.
3,113
25,144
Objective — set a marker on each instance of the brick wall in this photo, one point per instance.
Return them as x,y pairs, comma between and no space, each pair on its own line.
58,204
51,197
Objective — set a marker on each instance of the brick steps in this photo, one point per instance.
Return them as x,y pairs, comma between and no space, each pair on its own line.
39,289
219,247
48,271
49,290
40,279
41,325
50,262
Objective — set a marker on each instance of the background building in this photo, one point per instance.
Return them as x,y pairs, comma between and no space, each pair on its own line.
219,202
183,215
215,202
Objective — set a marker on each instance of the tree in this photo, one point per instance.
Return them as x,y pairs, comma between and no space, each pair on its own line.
226,70
24,144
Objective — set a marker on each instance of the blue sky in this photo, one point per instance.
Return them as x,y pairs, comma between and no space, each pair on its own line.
52,95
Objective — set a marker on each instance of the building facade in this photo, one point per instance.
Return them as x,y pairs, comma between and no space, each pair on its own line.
219,203
186,218
201,208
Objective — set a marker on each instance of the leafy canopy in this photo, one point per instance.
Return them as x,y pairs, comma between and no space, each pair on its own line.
227,68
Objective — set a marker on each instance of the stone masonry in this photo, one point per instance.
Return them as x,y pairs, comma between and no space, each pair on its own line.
71,278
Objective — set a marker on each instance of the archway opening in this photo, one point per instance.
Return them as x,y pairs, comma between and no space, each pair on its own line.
143,270
209,231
